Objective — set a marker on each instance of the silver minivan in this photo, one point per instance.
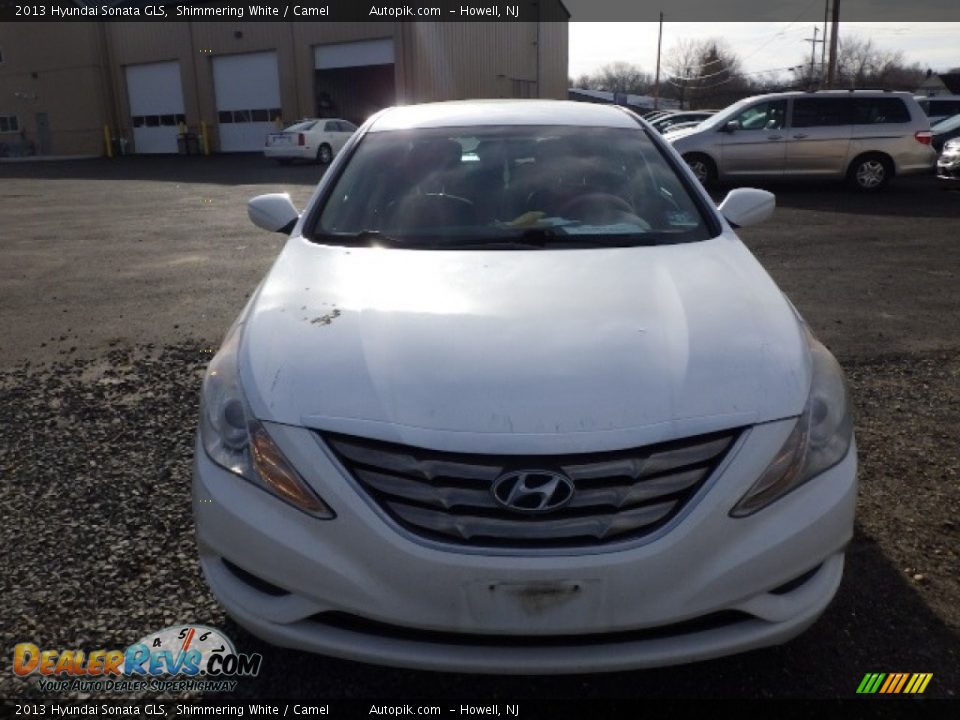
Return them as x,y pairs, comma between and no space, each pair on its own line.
866,137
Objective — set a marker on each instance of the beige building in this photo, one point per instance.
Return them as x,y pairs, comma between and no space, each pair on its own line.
62,83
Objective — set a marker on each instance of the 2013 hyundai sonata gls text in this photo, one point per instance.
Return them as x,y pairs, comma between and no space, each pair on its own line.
515,398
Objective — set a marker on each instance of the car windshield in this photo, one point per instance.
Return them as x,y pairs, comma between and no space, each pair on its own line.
509,187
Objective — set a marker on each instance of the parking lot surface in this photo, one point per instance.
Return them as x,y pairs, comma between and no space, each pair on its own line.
118,278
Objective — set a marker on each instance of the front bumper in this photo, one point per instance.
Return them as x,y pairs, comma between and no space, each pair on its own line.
360,588
948,166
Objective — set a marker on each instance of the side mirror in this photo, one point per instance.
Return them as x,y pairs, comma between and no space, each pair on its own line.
730,126
747,206
274,212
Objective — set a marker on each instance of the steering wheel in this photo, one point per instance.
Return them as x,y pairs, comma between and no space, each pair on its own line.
594,207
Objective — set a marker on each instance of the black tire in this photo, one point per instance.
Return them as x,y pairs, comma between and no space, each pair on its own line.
324,154
703,167
870,172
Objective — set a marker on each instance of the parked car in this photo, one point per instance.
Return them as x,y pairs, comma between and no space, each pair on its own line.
948,164
691,116
939,107
653,115
682,126
864,136
945,130
535,411
317,139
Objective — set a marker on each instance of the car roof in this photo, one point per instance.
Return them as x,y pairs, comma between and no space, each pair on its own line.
835,93
501,112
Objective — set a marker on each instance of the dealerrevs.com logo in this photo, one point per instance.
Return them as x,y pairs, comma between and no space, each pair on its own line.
177,658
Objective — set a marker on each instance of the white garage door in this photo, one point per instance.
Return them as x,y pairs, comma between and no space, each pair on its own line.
353,54
156,106
248,99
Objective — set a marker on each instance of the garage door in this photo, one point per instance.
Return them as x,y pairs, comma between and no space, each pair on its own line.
248,99
353,80
156,106
353,54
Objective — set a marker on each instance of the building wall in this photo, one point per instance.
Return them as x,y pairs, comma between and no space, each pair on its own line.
81,72
55,69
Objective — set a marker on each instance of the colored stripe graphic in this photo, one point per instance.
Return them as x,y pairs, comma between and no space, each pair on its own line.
903,680
894,683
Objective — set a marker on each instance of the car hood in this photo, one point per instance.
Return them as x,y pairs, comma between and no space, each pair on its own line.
522,351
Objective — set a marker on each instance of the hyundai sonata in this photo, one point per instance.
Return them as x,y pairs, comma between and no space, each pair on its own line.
515,398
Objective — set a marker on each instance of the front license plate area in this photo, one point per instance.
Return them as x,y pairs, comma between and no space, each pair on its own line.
543,607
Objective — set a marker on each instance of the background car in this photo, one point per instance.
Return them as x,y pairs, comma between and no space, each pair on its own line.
316,139
943,131
865,137
948,164
682,126
692,116
939,107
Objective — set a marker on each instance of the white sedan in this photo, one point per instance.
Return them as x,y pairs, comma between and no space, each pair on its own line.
514,398
310,139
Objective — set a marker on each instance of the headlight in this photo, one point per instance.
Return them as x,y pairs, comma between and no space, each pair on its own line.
820,439
237,442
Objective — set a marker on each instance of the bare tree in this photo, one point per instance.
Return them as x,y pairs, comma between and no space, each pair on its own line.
704,73
682,65
618,77
862,64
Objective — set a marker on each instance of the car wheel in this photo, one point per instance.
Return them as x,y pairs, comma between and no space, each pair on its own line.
324,154
869,173
703,167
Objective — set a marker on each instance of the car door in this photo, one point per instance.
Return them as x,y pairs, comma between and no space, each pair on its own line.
330,134
756,144
818,139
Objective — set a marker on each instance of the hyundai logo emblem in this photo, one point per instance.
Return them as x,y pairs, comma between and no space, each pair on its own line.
533,491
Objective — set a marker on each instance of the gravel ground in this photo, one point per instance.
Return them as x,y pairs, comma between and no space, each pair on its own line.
97,427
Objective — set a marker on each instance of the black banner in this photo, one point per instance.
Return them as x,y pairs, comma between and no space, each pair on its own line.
313,709
476,10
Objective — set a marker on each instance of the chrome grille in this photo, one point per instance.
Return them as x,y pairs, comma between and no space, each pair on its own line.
447,496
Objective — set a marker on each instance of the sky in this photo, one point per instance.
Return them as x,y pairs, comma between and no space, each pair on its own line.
762,46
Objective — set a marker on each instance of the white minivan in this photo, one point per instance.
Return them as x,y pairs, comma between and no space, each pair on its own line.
866,137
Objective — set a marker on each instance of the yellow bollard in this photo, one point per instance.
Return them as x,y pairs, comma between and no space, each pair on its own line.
205,136
106,141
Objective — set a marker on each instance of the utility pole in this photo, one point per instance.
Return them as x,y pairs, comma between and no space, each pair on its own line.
834,36
813,51
656,86
823,45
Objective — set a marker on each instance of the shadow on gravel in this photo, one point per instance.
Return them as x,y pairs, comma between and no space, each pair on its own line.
231,169
910,197
877,623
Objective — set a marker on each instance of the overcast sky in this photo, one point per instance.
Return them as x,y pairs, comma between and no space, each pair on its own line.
761,45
